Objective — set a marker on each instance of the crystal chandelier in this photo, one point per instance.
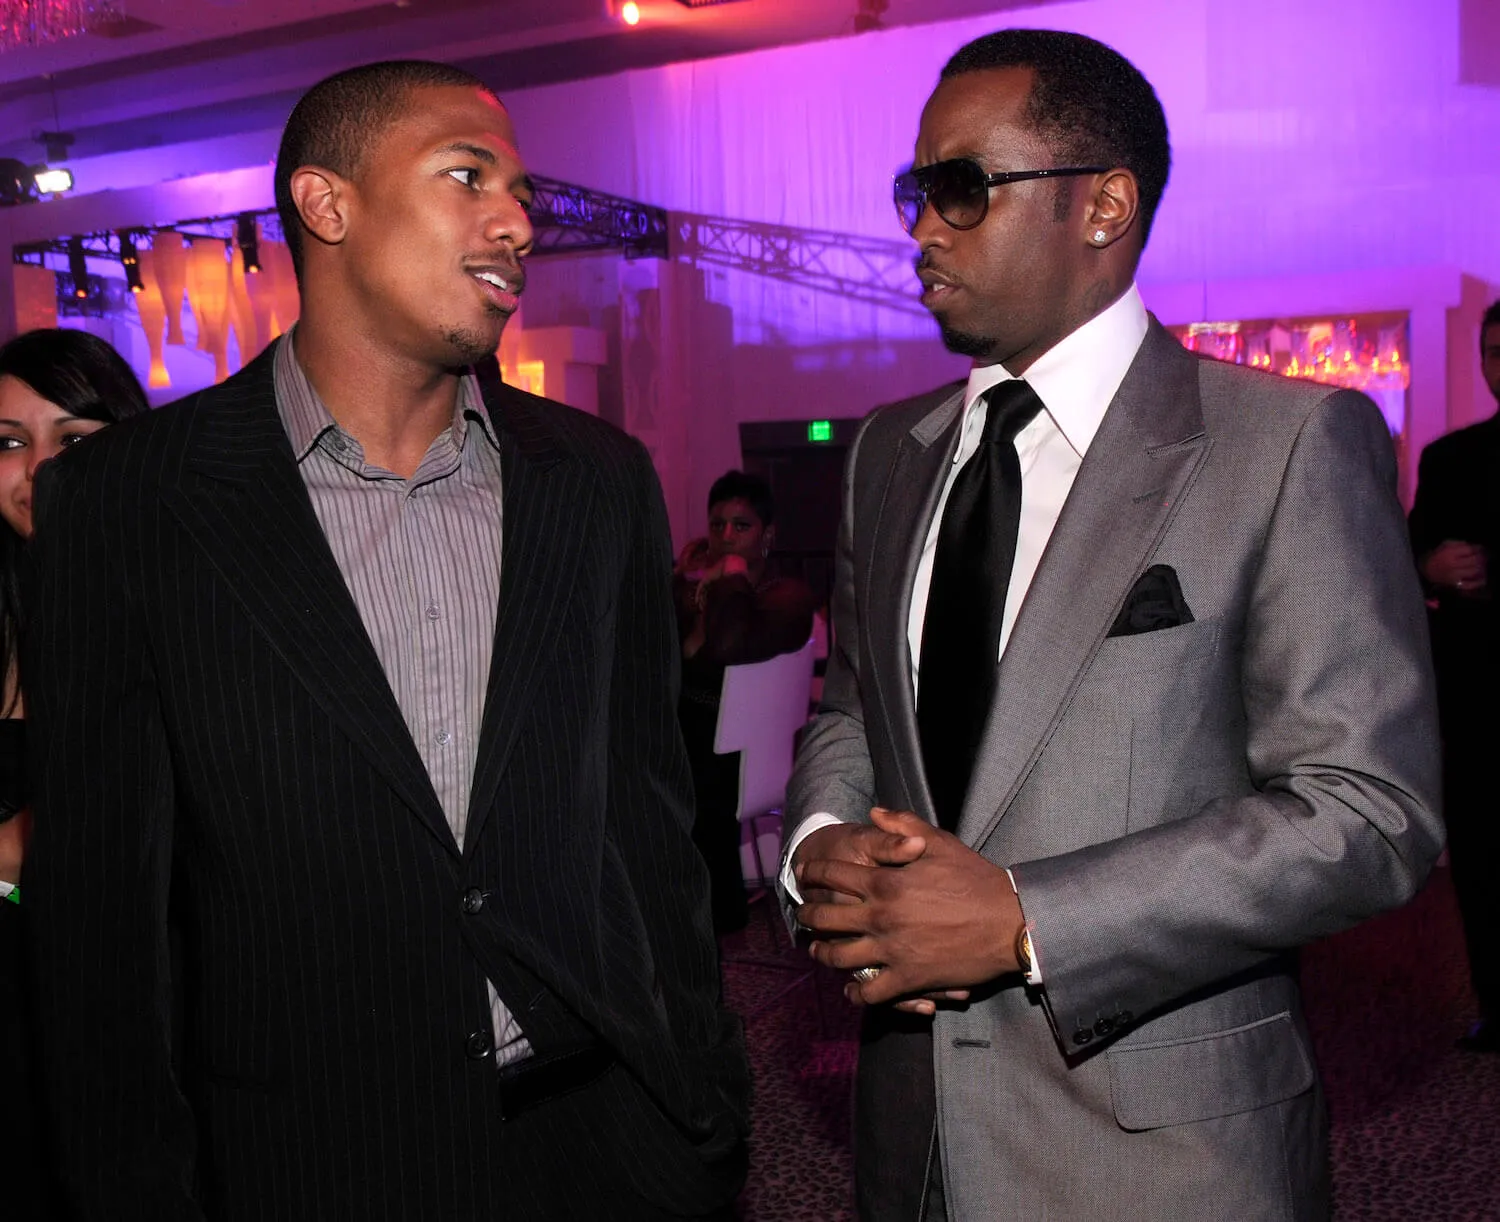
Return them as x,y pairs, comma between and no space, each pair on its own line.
28,23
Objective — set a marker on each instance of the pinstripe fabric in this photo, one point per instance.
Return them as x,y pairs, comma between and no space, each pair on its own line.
421,558
214,737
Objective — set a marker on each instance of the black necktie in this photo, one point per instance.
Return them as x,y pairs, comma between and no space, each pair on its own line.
976,547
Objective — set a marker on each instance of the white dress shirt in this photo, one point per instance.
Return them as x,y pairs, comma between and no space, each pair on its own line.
1076,380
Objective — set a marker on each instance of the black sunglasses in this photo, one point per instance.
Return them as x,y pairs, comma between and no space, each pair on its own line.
960,190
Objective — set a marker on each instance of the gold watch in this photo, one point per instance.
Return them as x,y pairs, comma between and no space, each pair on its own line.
1023,950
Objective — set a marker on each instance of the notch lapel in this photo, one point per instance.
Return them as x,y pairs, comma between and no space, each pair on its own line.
908,502
1149,447
547,504
242,500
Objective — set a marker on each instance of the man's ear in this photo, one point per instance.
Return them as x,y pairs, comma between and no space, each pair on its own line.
322,200
1114,208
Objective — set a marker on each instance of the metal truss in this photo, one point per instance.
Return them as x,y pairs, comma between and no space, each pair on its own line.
871,270
568,218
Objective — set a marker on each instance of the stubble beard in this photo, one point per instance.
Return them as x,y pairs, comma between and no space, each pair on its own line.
470,344
965,343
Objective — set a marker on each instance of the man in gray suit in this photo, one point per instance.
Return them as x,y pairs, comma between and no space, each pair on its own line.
1074,908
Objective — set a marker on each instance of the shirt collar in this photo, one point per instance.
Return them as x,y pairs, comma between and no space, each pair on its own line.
306,419
1076,379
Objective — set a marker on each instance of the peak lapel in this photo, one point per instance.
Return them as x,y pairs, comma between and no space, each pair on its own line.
547,502
241,498
908,501
1149,447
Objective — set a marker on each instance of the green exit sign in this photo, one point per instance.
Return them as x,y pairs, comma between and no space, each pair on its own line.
820,430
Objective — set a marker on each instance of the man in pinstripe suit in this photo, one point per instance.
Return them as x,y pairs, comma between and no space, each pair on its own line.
353,678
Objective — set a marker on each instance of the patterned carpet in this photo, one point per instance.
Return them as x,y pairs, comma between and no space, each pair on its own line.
1416,1123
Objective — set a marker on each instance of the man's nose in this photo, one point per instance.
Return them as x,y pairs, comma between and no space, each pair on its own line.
511,224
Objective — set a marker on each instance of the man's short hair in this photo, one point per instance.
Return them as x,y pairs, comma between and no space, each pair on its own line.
338,120
1491,319
1089,103
742,486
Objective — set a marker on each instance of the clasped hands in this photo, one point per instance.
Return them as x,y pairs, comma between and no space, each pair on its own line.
937,918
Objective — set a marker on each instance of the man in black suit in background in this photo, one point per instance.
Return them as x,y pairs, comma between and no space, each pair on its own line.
358,674
1455,531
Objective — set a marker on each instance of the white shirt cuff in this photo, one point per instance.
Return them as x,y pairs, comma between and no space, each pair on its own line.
805,829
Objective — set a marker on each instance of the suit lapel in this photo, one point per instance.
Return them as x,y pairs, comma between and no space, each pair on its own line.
1149,447
242,499
908,502
547,504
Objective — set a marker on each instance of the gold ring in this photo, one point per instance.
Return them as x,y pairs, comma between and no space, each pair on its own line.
866,974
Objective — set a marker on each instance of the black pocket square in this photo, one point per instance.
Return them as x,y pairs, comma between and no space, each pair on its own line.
1155,602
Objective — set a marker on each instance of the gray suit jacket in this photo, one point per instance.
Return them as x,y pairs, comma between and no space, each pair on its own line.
1181,808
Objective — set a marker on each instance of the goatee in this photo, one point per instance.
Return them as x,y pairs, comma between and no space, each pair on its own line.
963,343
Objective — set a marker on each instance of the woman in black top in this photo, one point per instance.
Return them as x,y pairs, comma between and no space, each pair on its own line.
732,608
56,387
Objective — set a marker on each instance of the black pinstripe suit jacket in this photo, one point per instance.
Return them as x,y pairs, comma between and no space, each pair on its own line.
218,755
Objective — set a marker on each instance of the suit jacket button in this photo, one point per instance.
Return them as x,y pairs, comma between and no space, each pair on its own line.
473,900
478,1046
1124,1018
1082,1036
1103,1027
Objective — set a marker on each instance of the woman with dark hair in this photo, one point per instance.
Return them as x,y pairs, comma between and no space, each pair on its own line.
56,387
732,608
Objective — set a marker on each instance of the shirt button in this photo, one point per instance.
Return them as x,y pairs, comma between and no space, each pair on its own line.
473,900
434,611
338,442
442,738
478,1046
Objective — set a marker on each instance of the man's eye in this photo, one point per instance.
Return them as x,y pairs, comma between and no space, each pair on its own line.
73,438
11,443
528,204
467,175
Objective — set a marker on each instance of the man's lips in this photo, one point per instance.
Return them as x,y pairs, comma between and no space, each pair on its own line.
935,285
501,284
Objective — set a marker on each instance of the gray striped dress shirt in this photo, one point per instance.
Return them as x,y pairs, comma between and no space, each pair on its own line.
421,559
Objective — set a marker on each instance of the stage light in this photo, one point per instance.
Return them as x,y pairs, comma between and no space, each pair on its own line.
630,13
249,240
131,261
79,268
53,182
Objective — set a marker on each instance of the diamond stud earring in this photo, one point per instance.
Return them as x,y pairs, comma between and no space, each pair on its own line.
1100,235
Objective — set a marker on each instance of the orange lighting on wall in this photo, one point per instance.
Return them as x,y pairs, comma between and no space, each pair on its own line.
630,13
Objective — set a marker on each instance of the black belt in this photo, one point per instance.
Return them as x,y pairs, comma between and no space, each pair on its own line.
526,1084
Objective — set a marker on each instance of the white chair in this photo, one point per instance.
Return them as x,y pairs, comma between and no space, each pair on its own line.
761,708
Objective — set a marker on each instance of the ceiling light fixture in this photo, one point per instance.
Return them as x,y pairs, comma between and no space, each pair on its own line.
78,267
131,261
52,182
248,236
630,13
23,184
